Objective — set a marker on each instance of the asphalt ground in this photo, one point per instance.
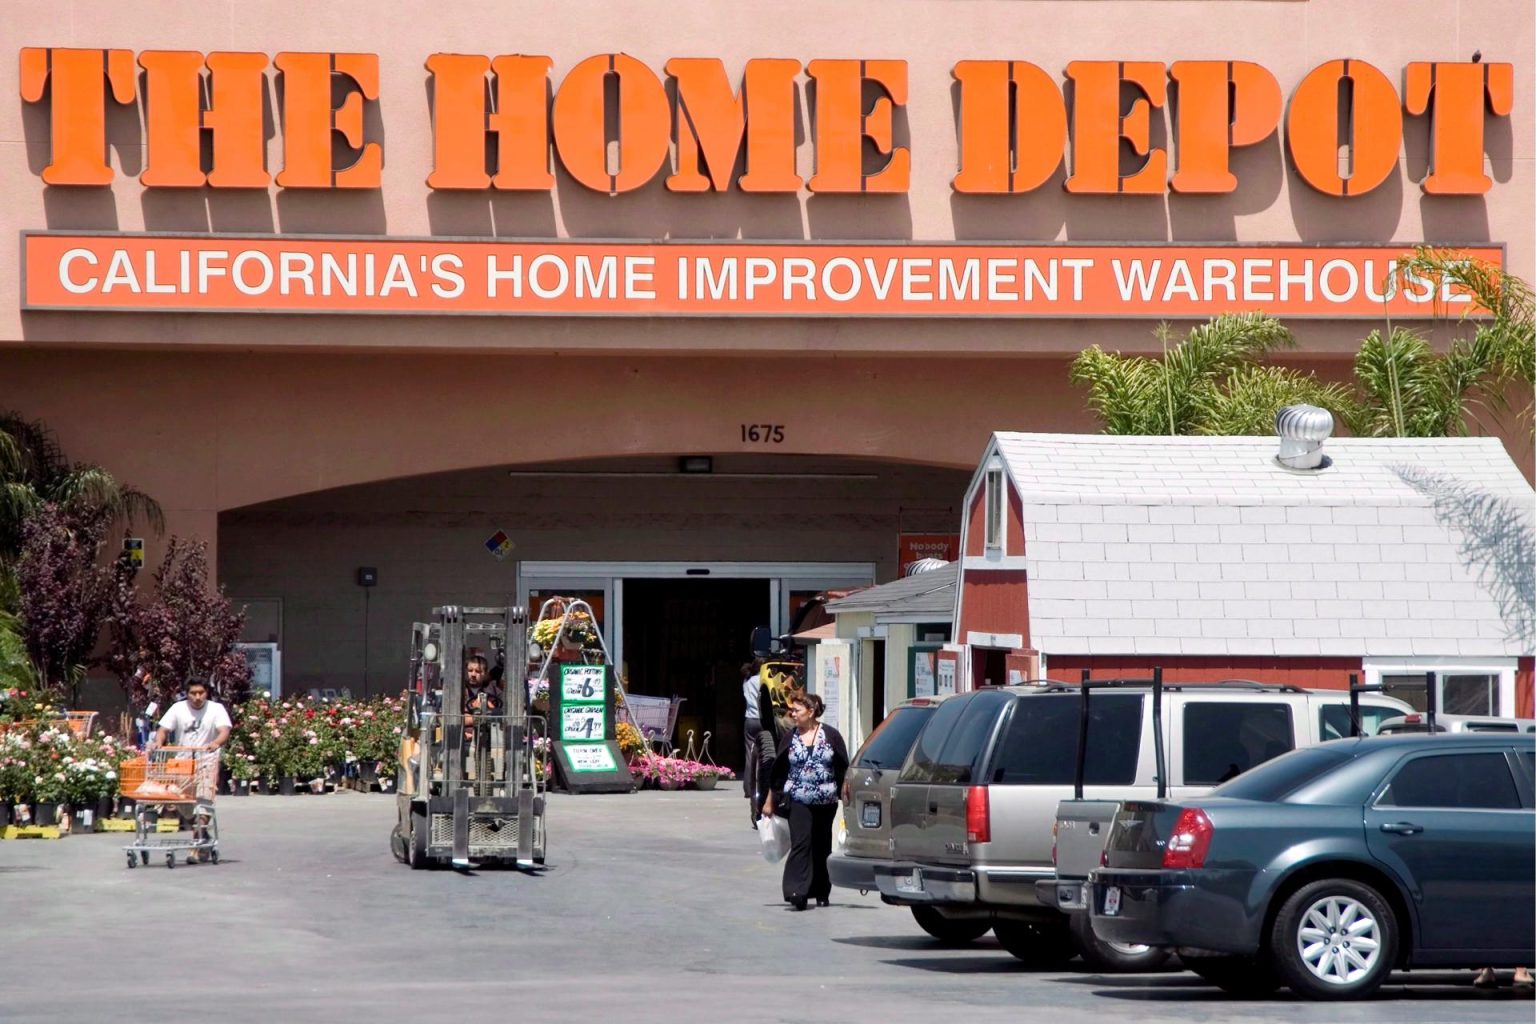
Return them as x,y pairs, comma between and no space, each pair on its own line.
654,906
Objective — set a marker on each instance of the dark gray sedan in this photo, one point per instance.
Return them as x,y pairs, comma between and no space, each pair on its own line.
1327,868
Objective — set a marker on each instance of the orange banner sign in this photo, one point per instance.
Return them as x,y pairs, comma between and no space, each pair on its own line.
267,274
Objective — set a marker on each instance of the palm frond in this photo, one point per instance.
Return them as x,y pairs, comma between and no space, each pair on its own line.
1123,391
1251,396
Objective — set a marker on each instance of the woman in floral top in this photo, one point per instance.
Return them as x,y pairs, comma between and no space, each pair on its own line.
804,787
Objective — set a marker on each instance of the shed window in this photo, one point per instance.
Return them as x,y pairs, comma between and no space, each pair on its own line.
994,525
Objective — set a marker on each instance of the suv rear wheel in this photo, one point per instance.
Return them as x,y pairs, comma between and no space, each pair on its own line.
1334,939
950,930
1039,945
1113,957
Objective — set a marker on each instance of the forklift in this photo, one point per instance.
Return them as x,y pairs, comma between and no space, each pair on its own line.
471,791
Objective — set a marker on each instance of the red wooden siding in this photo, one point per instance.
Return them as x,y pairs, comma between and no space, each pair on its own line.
1311,673
1015,538
1525,699
976,533
994,601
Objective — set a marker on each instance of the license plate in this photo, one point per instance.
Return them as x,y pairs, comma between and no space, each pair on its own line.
1070,897
869,816
1111,901
912,882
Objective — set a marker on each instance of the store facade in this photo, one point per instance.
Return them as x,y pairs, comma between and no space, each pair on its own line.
351,288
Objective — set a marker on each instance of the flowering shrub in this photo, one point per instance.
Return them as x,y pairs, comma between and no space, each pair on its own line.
17,705
630,742
654,768
302,737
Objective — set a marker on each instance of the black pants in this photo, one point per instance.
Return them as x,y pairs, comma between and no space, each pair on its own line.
810,844
750,728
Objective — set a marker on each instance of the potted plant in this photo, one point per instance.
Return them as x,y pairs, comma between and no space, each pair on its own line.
706,775
242,770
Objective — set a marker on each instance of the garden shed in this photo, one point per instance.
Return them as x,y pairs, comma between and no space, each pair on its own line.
1208,556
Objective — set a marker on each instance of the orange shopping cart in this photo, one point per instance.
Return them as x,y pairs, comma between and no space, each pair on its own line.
183,779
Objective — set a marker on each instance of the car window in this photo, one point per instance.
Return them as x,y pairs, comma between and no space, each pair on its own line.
1469,781
1333,720
1274,780
960,758
930,742
1040,744
887,746
1526,759
1222,740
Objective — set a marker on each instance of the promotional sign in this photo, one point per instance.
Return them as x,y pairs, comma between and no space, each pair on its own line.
587,760
291,274
923,684
834,664
946,671
589,757
915,546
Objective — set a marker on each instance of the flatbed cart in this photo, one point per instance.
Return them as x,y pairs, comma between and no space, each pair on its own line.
177,778
470,792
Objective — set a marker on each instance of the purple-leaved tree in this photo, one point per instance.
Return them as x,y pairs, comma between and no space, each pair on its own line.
64,594
185,631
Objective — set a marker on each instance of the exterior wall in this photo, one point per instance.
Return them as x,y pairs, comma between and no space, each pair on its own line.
993,601
976,523
1310,673
1014,539
425,536
1525,698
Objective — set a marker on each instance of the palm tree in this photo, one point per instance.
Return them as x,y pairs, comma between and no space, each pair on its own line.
1211,382
34,469
1408,391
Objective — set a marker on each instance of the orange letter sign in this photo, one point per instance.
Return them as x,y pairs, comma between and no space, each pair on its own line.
309,119
1098,126
520,122
842,125
79,109
1375,128
711,122
581,119
176,119
1013,126
1456,119
1222,104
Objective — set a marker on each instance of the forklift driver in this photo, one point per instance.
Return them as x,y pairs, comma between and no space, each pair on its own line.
482,694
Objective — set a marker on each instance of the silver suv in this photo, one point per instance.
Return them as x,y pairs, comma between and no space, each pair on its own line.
973,809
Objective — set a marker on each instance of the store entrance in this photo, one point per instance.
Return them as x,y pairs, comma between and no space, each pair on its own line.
688,638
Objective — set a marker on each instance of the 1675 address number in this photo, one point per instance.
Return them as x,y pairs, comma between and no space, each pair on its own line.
762,433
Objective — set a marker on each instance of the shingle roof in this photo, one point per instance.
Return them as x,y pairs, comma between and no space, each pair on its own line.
1205,545
926,592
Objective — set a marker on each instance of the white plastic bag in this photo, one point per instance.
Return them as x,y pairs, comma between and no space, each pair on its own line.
773,831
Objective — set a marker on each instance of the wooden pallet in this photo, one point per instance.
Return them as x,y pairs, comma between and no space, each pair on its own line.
30,832
114,824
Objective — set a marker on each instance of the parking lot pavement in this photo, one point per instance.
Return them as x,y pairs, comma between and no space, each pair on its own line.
654,906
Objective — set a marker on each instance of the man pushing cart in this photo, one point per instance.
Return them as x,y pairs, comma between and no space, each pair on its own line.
182,775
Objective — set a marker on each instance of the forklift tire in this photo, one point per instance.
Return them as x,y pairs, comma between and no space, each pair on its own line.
416,848
397,844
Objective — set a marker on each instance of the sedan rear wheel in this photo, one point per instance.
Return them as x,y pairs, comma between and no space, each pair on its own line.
950,930
1335,939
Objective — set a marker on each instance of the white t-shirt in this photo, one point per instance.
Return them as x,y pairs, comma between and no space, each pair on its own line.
187,728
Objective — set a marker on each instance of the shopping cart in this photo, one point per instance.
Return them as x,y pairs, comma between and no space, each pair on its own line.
182,779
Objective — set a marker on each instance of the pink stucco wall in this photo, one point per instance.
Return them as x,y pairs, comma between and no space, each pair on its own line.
310,410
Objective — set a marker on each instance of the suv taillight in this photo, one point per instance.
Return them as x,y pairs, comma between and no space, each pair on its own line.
1190,840
1055,827
978,816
